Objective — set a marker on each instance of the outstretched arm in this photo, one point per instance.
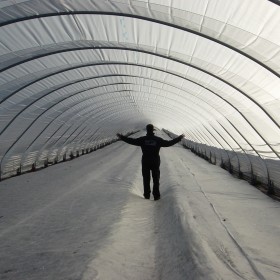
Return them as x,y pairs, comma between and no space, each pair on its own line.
166,143
131,141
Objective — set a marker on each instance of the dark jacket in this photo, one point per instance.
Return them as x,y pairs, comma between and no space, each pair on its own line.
150,144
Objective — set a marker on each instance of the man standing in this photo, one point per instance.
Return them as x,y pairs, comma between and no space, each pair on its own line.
150,145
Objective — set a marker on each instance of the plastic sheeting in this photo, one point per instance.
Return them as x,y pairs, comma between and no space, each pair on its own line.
73,73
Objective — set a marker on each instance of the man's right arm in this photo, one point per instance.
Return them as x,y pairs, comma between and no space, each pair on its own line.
131,141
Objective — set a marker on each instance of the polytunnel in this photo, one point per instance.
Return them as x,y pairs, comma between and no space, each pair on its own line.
73,73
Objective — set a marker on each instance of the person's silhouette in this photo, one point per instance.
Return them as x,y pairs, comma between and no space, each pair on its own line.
150,145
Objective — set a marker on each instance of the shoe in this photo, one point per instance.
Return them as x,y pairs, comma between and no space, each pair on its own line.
146,196
157,197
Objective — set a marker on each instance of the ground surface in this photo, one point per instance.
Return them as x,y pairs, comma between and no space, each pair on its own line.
86,219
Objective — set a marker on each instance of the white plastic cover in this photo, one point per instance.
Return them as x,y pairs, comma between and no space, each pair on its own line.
74,73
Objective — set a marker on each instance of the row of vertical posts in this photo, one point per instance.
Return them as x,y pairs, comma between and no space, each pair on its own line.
215,156
65,157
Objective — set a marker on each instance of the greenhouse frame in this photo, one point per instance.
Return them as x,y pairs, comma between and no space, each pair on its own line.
75,73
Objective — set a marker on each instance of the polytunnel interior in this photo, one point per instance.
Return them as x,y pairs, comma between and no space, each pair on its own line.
73,74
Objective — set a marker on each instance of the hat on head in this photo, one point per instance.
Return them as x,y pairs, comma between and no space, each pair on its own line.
150,128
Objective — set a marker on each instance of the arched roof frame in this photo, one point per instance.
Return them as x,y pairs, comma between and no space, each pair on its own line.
151,53
167,57
150,67
230,85
168,18
154,20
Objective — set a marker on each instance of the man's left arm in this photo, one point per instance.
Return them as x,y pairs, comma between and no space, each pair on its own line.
166,143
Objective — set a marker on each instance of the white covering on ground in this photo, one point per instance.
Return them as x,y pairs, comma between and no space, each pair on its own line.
86,219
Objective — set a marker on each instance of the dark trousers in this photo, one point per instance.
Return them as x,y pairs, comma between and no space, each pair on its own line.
151,166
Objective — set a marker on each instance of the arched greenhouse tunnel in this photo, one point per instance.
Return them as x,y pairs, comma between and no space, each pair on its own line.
74,74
